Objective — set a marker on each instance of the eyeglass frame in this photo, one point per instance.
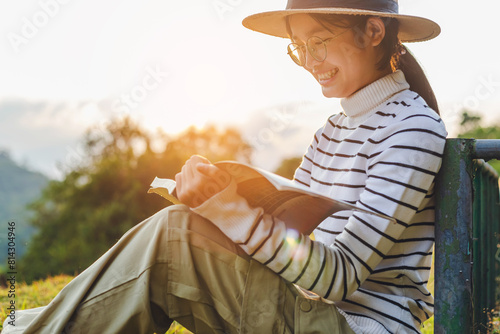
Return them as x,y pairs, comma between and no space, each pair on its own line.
301,46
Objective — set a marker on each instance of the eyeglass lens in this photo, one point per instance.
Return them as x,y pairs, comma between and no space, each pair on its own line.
316,47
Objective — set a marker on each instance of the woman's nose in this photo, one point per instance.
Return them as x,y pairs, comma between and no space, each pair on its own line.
310,61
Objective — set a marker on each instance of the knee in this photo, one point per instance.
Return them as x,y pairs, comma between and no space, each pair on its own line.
166,215
190,226
177,216
181,217
172,208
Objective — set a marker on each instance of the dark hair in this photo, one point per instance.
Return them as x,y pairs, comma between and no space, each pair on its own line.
393,53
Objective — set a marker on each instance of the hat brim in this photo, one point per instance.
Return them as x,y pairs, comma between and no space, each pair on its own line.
411,28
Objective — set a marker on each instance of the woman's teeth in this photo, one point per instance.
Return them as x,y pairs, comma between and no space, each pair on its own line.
327,75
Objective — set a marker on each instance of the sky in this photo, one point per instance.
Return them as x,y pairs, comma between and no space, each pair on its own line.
70,64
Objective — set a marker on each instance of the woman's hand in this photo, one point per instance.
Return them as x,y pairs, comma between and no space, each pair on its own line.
199,180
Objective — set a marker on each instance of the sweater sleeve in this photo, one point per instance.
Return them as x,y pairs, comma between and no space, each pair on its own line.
402,167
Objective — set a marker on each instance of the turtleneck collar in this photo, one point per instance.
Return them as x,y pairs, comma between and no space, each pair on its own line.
371,96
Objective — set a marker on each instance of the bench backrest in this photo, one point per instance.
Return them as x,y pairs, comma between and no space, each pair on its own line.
467,259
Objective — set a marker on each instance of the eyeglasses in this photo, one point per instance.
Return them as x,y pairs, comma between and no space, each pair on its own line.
316,47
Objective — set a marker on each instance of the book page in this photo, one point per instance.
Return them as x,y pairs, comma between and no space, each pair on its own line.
299,211
299,207
242,172
165,188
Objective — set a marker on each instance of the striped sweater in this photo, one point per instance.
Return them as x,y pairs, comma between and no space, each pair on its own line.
382,154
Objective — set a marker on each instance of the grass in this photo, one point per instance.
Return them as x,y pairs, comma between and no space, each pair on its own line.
428,326
41,292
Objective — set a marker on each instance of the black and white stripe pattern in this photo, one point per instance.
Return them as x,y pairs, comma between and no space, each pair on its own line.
394,154
382,154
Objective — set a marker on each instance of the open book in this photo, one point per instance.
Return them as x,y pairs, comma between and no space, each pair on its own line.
298,206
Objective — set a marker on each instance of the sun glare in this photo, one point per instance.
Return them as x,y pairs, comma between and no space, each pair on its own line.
205,84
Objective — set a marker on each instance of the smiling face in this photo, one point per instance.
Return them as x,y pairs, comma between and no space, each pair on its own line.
352,56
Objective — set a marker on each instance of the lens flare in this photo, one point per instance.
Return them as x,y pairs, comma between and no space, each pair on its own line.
298,248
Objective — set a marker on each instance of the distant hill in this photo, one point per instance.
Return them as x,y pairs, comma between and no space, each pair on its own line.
18,187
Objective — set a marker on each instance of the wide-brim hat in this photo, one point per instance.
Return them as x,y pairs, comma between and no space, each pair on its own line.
411,28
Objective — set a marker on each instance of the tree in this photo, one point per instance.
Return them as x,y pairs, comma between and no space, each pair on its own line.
288,167
99,199
470,120
471,128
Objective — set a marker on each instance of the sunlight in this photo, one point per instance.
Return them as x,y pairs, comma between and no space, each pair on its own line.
205,84
292,240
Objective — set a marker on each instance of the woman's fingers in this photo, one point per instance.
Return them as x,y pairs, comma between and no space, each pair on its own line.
195,159
199,180
222,178
215,180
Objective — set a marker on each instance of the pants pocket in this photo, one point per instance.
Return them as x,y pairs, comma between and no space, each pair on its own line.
313,316
264,301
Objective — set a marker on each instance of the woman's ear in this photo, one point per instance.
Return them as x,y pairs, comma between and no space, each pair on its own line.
375,30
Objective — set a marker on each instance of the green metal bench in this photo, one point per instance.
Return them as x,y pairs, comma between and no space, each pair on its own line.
467,253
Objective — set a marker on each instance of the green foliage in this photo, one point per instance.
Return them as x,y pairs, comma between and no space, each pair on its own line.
41,292
470,120
82,216
288,167
471,128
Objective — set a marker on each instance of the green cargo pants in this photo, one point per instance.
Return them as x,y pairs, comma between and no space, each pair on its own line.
177,265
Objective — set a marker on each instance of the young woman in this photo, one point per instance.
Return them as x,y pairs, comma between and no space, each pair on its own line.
218,265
